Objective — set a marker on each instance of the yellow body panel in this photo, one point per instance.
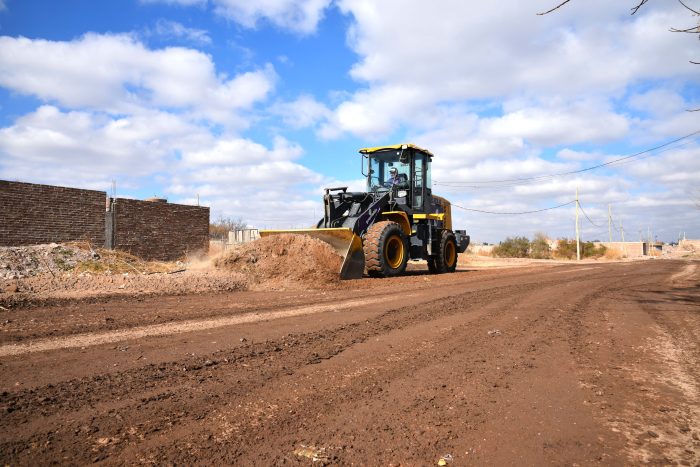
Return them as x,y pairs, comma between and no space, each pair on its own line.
435,217
445,216
400,218
394,146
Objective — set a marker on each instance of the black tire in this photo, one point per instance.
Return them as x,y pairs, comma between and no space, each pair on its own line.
446,259
431,266
386,250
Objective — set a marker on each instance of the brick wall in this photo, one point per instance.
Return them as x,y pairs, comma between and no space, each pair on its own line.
31,214
160,231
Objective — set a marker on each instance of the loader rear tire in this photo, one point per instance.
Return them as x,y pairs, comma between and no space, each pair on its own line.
446,260
386,249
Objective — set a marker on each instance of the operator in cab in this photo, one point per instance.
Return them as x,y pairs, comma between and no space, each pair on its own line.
396,179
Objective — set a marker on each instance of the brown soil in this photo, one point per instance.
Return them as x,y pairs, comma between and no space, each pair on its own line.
54,273
284,261
593,364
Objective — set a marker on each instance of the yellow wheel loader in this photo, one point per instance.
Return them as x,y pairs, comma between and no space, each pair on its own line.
398,218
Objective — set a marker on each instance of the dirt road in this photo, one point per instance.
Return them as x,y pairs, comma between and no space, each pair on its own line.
590,364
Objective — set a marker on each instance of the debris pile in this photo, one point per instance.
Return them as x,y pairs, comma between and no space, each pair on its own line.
284,261
28,261
41,273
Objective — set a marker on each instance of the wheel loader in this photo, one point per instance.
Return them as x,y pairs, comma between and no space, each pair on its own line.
396,220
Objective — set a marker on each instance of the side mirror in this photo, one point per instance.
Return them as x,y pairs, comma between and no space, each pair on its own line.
403,156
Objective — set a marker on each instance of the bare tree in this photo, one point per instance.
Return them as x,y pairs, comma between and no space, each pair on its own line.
640,3
691,30
223,225
634,9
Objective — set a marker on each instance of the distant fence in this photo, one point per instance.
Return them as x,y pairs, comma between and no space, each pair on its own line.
243,236
235,237
32,214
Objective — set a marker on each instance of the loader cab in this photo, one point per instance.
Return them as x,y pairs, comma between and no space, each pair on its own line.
413,166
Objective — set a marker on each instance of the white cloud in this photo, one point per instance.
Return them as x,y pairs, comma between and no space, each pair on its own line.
239,177
304,112
301,16
571,155
118,74
678,167
49,145
240,152
174,30
235,175
658,102
573,123
459,52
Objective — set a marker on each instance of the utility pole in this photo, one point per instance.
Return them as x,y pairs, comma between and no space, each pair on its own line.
622,232
578,236
609,225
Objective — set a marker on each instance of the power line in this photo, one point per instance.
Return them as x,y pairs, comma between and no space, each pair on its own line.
513,213
572,172
589,219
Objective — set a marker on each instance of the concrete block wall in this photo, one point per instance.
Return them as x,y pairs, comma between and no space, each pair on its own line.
157,230
627,248
32,214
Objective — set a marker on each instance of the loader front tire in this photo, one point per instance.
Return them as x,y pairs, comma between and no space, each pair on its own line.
446,260
386,250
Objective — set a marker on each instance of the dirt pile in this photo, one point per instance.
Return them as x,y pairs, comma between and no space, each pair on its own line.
45,288
285,261
46,273
27,261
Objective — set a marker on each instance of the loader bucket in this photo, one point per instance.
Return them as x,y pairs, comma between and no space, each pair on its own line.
344,242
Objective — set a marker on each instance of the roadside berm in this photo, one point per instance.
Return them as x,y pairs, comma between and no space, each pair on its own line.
34,274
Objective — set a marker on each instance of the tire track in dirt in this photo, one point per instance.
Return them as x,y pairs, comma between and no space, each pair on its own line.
52,322
84,340
641,340
139,407
291,420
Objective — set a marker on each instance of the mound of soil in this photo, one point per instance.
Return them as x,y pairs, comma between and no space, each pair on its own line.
55,272
27,261
285,261
45,288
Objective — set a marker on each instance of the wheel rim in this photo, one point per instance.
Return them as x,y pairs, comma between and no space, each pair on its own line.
393,253
450,254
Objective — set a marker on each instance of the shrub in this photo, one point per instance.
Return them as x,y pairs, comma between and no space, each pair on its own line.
539,247
589,250
566,249
516,247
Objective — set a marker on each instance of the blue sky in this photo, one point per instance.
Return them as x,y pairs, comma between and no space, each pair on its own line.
256,106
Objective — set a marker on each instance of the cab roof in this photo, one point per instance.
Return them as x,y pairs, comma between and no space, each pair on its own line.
395,146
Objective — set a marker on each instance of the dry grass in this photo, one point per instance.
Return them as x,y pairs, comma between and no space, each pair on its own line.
120,262
613,253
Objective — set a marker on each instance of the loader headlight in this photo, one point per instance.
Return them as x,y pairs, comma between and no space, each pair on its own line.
402,193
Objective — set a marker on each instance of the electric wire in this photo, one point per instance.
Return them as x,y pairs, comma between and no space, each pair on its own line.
619,161
513,213
589,219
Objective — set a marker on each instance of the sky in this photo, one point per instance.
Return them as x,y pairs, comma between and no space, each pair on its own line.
253,108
